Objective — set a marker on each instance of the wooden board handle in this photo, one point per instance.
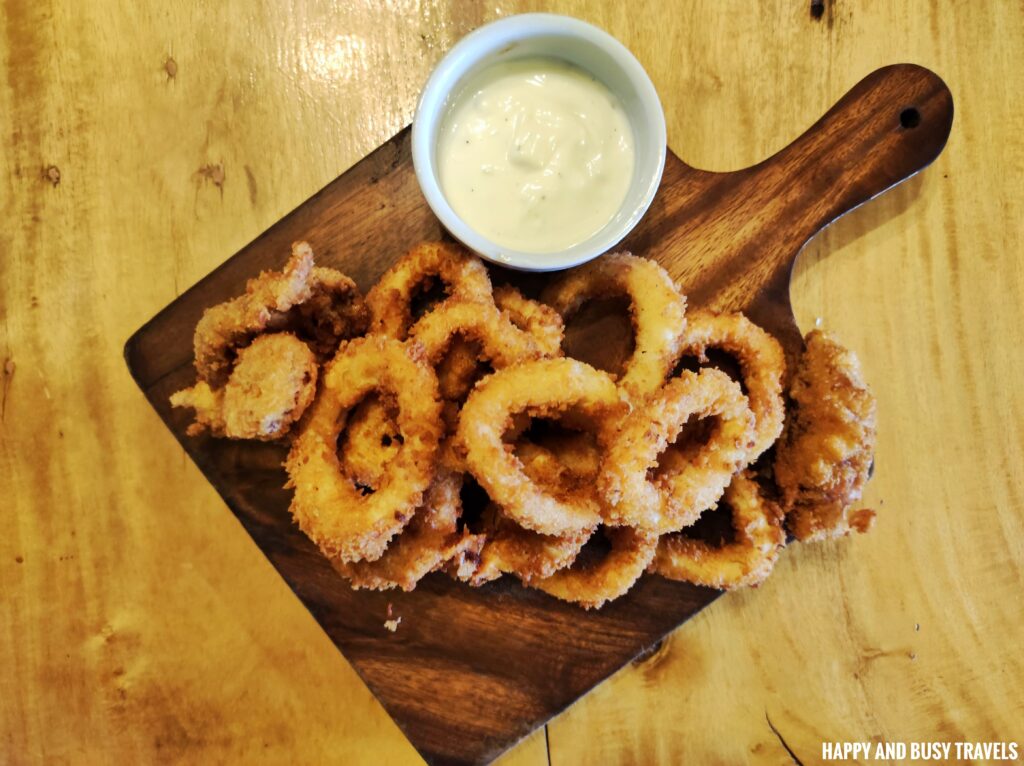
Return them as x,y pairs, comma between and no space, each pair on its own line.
731,238
888,127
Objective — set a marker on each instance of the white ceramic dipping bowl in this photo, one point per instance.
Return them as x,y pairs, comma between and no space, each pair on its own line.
580,44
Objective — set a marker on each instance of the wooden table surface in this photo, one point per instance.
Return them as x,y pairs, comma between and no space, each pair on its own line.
143,143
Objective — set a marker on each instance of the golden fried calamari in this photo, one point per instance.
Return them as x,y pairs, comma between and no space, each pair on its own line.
762,365
536,331
510,549
636,493
431,541
542,323
825,455
226,327
322,306
745,560
334,311
657,310
271,385
328,506
500,343
391,299
593,584
590,479
257,355
488,414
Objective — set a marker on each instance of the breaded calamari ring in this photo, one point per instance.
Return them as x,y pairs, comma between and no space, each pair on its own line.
542,388
333,312
568,463
227,326
540,322
510,549
270,387
669,501
327,505
500,342
747,560
430,541
460,367
824,458
593,585
390,300
657,311
761,362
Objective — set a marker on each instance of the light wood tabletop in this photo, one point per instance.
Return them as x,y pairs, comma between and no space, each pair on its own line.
141,144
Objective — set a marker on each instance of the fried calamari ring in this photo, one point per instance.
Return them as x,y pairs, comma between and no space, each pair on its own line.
747,560
333,312
593,585
488,415
270,387
227,326
540,322
320,306
500,342
390,300
562,467
510,549
657,311
327,505
671,500
824,458
460,367
430,541
369,442
761,362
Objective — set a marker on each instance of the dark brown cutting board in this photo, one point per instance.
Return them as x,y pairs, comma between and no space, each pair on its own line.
471,671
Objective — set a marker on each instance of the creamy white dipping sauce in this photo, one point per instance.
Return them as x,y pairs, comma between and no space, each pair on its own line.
535,154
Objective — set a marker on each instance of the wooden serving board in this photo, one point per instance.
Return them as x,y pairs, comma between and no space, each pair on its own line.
471,671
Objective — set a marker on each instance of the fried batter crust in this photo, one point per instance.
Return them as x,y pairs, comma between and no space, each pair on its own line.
825,455
272,384
761,361
430,541
544,388
670,500
747,561
321,306
327,504
593,586
657,310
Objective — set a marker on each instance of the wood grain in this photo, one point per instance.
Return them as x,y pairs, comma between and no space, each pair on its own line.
127,630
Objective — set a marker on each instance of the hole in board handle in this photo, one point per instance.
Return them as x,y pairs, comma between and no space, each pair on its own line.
910,117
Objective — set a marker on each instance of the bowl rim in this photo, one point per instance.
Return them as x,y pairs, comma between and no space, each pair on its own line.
459,62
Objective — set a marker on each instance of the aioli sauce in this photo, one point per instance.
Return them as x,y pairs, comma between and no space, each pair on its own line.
535,154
